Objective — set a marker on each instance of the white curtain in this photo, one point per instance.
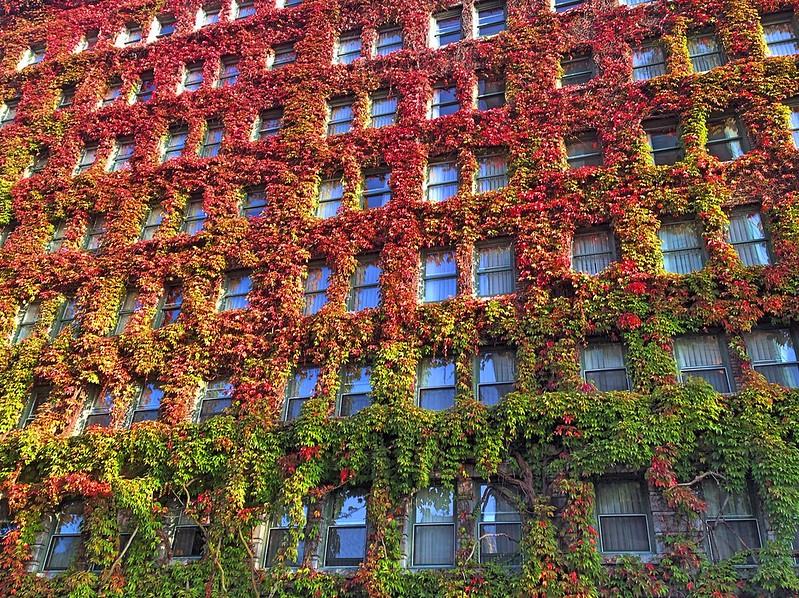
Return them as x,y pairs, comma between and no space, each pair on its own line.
682,247
623,525
492,174
592,252
434,528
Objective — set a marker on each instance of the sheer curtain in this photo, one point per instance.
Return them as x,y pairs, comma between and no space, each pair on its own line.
747,235
497,375
495,271
442,181
592,252
500,526
603,366
700,356
623,525
492,174
434,528
366,288
440,276
773,354
682,247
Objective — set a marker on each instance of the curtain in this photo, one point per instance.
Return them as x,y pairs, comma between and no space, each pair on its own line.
780,39
442,181
434,529
493,173
699,351
495,274
365,286
730,536
340,119
62,551
603,356
497,366
682,247
384,112
704,52
648,62
746,233
623,525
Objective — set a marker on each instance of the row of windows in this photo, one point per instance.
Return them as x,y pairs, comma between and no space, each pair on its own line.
771,352
726,141
731,524
494,272
649,60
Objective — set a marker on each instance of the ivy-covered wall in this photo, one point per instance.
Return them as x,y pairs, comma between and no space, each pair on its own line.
554,435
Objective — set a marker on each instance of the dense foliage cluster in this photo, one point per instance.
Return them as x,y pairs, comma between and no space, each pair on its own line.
554,434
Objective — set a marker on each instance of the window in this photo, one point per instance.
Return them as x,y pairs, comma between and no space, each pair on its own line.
356,390
331,192
726,138
495,374
703,357
59,234
215,400
88,41
602,366
26,321
269,123
577,68
301,387
40,160
276,540
732,522
95,233
348,48
649,60
243,9
192,76
436,383
773,354
447,28
121,154
146,87
316,283
288,3
490,92
66,318
236,290
494,271
254,202
194,217
345,542
492,173
210,14
681,244
635,2
564,5
129,306
66,97
165,25
364,286
284,54
99,412
663,135
440,276
339,116
490,18
584,149
212,141
780,35
747,235
131,35
175,142
376,189
705,52
445,101
623,513
433,530
65,539
151,223
148,403
793,122
389,40
383,111
228,71
169,310
8,112
33,55
5,232
592,251
30,410
499,528
112,92
443,180
88,155
188,542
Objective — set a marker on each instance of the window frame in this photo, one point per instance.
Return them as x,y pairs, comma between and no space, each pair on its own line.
489,5
292,388
338,200
247,205
384,30
190,220
742,138
353,301
764,241
193,76
331,523
123,313
647,514
437,32
118,160
477,370
24,327
652,126
649,67
227,299
502,519
415,524
92,410
385,192
424,276
335,124
351,56
89,149
585,372
724,355
700,249
379,97
592,159
721,58
272,116
175,307
722,518
759,365
150,226
215,391
590,232
477,271
282,55
440,107
226,63
137,406
779,18
341,395
75,511
435,362
316,292
442,162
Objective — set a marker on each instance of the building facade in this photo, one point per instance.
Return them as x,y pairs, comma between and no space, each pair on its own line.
437,298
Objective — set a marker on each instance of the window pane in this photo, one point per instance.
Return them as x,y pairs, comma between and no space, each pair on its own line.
500,542
346,546
730,536
682,247
648,62
705,52
189,542
592,252
781,38
624,534
62,551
